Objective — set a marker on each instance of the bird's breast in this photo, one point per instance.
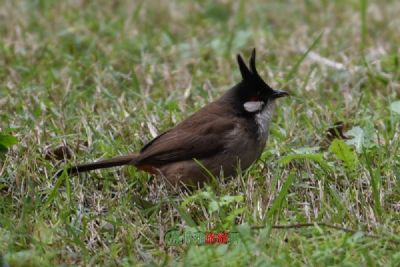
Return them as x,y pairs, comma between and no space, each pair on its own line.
263,120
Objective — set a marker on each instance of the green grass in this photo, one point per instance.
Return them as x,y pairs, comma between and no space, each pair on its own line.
101,77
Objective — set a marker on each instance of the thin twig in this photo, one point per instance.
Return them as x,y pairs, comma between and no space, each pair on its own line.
326,61
302,225
330,63
347,230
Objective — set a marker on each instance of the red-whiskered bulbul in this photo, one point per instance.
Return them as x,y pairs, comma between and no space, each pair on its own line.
227,133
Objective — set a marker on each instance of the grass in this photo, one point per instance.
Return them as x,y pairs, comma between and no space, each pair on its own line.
101,78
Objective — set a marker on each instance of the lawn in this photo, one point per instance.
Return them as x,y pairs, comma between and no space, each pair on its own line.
83,80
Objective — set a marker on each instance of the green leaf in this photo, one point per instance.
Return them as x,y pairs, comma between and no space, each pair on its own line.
344,153
281,196
7,140
213,206
362,137
185,215
54,192
395,107
358,138
225,200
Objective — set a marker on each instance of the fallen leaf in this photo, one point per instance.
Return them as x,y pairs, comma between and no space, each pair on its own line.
336,131
395,107
358,137
58,153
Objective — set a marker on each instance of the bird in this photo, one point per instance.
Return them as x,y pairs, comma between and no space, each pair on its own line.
224,137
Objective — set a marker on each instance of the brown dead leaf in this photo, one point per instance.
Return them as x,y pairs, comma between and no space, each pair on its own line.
59,153
336,131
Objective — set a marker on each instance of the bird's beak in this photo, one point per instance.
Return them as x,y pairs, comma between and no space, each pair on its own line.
278,94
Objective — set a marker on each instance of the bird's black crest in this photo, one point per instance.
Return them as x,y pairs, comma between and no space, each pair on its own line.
248,74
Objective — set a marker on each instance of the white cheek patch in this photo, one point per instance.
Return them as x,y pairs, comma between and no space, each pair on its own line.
253,106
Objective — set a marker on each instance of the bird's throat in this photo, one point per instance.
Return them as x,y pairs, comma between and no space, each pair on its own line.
263,120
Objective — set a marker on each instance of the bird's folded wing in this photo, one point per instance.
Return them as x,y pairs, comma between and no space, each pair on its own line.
188,141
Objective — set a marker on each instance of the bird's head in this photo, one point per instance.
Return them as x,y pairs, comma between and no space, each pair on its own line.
252,95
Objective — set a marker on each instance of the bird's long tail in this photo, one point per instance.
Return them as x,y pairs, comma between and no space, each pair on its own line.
101,164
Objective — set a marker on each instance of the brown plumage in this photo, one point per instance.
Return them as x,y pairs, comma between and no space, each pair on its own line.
224,135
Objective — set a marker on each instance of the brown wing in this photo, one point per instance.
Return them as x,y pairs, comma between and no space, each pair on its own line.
199,136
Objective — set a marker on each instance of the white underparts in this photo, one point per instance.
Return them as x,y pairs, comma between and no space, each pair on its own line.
253,106
263,120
